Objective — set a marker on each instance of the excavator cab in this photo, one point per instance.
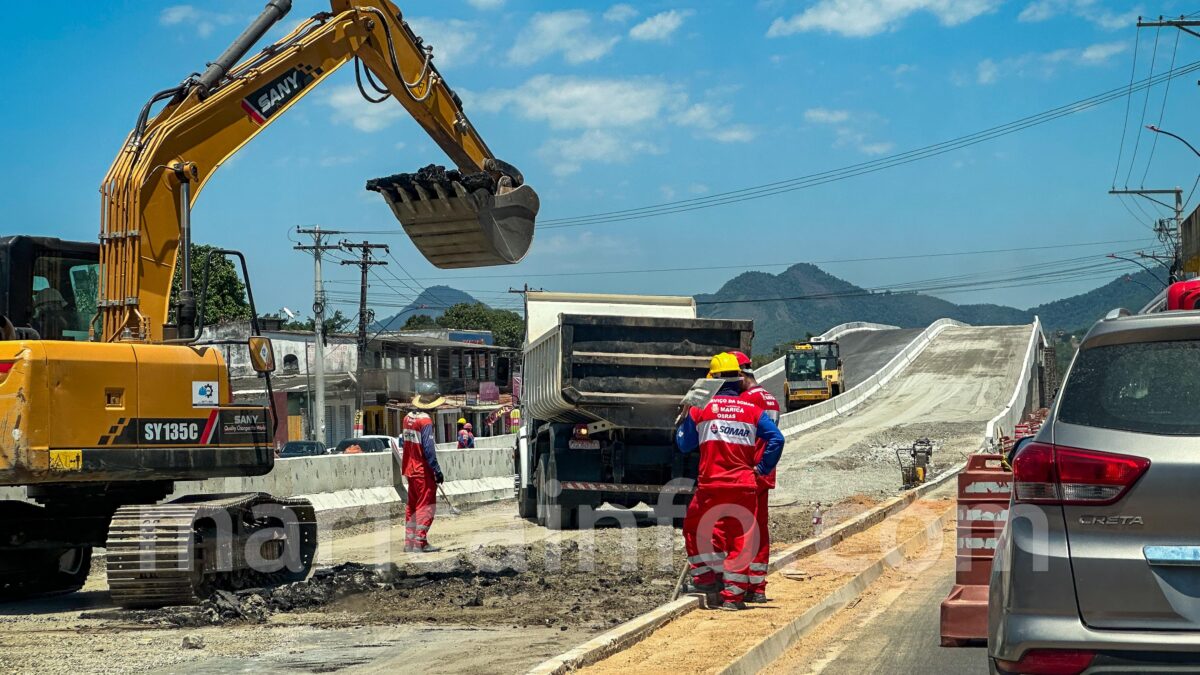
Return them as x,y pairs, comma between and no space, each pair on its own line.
48,285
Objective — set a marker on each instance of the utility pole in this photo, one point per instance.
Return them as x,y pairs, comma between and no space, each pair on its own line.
1167,229
318,249
364,264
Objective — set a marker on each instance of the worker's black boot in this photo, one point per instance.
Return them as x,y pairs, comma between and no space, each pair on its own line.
421,548
758,598
693,587
733,606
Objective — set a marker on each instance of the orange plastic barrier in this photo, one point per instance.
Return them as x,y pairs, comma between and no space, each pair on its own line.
984,488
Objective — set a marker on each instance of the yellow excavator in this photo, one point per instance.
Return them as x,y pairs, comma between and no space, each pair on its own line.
105,401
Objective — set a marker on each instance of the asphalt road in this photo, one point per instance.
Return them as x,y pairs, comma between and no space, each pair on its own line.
863,353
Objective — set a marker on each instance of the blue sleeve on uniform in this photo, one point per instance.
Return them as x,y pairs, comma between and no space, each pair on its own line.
769,432
430,448
687,438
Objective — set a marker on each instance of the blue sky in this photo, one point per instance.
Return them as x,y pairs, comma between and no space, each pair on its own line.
611,106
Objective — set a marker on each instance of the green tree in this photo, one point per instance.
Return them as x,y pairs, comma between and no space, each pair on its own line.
508,329
337,323
420,321
225,298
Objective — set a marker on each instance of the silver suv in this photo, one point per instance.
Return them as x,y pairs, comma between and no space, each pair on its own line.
1098,569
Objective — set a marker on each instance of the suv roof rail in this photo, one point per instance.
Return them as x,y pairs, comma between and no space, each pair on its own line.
1117,313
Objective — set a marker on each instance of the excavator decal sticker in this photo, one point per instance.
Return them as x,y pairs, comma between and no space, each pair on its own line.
270,98
164,431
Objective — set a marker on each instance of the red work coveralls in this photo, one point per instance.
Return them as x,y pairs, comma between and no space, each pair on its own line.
419,466
758,569
723,508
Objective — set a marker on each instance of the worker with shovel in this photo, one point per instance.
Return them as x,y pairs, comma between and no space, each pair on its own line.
726,430
420,466
759,396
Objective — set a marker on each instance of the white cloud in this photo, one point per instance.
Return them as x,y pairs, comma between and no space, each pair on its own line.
1046,64
864,18
349,107
660,26
734,133
986,71
698,188
620,13
566,102
567,33
567,155
667,192
849,129
1089,10
608,120
1100,53
826,116
203,21
486,4
454,41
569,242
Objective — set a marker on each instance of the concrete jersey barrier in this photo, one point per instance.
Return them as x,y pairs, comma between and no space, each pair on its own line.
1025,389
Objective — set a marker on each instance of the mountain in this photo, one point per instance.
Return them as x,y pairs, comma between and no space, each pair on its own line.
1131,292
822,301
431,302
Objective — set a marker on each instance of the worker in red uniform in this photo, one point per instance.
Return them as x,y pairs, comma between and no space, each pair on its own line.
726,431
756,394
466,436
420,466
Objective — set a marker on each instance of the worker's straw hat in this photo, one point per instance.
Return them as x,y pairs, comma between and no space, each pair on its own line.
428,397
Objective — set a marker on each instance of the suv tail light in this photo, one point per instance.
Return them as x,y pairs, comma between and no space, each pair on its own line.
1049,662
1050,474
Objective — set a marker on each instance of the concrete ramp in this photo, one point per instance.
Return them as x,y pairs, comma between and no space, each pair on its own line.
948,393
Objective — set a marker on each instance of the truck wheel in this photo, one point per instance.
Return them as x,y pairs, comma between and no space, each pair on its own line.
539,481
527,506
552,514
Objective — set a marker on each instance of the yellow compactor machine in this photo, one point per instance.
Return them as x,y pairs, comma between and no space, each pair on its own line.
812,372
105,402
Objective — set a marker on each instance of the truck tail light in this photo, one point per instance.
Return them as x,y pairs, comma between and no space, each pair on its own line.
5,368
1050,474
1049,662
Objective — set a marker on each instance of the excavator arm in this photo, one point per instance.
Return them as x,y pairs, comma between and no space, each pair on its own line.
480,215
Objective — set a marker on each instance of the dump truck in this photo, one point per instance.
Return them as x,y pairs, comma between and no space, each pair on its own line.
812,373
603,379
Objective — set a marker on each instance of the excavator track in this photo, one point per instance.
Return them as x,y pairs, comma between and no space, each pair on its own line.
178,553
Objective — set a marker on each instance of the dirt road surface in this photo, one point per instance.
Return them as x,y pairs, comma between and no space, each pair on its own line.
503,595
948,393
893,629
706,641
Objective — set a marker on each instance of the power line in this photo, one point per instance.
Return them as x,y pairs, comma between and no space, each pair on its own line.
891,161
915,256
1137,141
1163,110
1128,103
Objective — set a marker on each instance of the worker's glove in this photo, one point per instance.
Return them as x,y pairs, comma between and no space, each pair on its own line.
439,478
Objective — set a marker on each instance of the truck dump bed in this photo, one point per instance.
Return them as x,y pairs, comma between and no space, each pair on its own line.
631,371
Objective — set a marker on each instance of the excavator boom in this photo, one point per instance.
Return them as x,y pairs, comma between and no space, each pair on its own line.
480,214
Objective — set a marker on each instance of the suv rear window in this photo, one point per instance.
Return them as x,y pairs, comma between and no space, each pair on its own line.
1146,387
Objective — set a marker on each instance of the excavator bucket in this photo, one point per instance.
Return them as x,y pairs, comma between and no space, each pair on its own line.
457,220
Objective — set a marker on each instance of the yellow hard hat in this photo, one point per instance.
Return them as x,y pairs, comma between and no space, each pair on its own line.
724,365
462,420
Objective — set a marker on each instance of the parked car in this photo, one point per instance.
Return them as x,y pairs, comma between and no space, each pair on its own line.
303,449
1098,568
368,444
